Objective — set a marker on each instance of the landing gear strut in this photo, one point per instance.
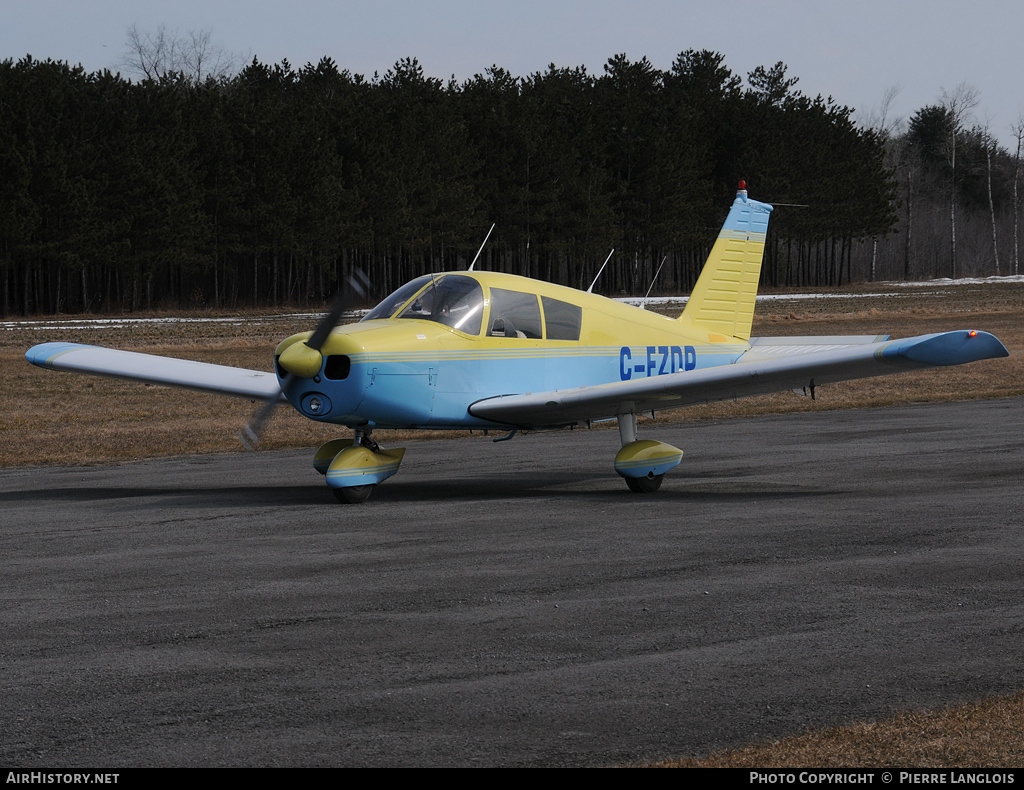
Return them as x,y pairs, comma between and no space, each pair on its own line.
643,463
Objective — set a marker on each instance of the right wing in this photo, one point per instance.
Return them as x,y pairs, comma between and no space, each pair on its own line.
771,365
168,371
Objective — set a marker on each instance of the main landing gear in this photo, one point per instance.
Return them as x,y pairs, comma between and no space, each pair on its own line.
354,467
643,463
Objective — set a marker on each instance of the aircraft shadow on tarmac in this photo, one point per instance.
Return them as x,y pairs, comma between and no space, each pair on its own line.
566,487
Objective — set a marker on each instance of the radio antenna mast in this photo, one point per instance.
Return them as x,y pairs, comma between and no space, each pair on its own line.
643,304
591,288
481,247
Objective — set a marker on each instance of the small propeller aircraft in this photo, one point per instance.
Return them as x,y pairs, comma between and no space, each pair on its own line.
492,351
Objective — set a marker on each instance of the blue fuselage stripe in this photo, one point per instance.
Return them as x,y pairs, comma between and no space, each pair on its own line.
436,390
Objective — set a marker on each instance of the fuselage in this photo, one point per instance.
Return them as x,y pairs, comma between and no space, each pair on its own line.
443,342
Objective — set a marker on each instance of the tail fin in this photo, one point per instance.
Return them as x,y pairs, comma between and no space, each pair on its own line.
722,301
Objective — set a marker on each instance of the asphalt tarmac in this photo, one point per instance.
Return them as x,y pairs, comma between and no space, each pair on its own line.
513,604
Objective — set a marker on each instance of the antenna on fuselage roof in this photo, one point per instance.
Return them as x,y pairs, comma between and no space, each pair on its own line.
481,247
610,254
643,304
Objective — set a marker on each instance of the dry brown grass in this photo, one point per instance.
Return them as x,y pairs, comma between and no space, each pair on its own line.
58,418
987,733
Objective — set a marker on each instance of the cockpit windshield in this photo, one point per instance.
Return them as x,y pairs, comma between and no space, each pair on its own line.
387,308
452,299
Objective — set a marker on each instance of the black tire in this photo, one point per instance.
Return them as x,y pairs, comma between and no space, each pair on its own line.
644,485
353,495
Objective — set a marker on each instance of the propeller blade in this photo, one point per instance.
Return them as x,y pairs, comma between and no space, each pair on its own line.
356,291
357,283
251,432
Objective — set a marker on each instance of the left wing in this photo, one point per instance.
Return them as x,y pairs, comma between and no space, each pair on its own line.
770,365
152,369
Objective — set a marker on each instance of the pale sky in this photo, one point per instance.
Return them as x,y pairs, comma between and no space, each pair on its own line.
853,51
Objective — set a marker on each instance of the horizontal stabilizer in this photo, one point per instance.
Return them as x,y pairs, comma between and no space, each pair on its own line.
152,369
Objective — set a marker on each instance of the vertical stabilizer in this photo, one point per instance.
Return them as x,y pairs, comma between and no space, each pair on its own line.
722,301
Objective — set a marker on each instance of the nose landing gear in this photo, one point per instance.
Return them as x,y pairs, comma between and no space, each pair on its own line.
354,467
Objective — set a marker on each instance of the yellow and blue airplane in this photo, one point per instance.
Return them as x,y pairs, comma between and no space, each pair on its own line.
492,351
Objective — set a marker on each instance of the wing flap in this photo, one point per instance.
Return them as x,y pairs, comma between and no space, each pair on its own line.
152,369
808,363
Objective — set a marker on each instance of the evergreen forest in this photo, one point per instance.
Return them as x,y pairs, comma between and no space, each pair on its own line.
261,188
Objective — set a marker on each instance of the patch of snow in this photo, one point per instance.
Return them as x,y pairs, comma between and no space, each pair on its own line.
1010,278
79,323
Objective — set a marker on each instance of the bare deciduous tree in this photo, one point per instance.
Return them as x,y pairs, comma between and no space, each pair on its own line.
990,148
880,120
1018,132
889,131
165,54
959,103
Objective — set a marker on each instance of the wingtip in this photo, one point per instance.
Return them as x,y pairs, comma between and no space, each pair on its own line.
42,355
953,348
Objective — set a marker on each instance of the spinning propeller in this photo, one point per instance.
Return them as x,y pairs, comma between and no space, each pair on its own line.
304,359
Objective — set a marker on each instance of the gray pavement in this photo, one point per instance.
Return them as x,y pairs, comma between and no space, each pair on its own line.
513,604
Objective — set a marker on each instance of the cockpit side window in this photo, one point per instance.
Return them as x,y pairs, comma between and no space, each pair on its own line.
563,320
452,300
514,314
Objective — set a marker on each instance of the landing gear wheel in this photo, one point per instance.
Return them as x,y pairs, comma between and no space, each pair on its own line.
353,495
644,485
